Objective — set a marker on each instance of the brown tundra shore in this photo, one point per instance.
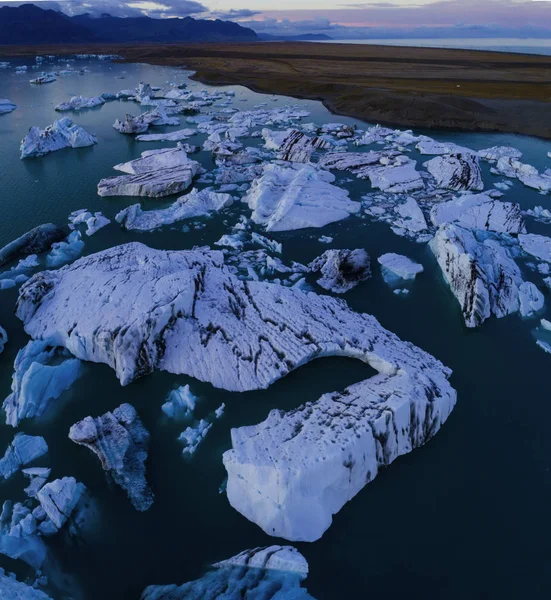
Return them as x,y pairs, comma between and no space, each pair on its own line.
466,90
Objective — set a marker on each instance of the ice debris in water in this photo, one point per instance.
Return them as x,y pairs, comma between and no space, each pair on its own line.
11,589
65,251
192,436
341,270
94,222
398,267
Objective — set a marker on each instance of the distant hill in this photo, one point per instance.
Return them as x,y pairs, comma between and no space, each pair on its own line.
305,37
30,24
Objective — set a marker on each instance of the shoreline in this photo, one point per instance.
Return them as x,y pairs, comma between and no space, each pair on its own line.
401,86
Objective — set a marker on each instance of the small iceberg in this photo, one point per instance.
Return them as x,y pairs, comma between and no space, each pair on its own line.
62,134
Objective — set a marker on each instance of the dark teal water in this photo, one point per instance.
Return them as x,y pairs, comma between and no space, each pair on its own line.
467,516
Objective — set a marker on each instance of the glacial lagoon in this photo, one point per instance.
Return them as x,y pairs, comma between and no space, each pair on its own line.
465,516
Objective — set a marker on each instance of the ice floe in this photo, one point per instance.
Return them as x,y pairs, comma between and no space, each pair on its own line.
35,241
194,204
77,103
539,246
293,145
173,136
526,174
120,441
6,106
480,211
41,374
341,270
23,450
274,572
296,197
62,134
456,172
480,272
399,266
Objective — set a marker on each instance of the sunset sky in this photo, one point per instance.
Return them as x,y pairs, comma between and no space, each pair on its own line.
399,18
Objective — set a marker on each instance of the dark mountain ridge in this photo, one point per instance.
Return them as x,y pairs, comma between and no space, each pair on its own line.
29,24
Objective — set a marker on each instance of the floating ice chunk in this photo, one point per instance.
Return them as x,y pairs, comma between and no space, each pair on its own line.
538,246
173,136
94,222
293,145
3,339
479,211
120,441
35,241
350,161
493,154
482,274
274,572
180,403
526,174
11,589
400,266
341,270
44,78
154,184
141,123
456,172
16,538
38,477
22,451
539,213
397,178
297,197
6,106
191,437
59,499
410,217
194,204
429,146
531,300
62,134
325,239
151,160
66,251
36,382
77,103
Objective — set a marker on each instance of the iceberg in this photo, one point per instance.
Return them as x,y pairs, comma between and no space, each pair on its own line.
11,589
481,273
180,403
35,241
531,300
65,251
341,270
194,204
493,154
400,266
3,339
399,178
152,160
273,572
23,450
38,476
296,197
526,174
539,246
120,441
62,134
77,103
456,172
292,145
6,106
18,539
36,382
480,211
430,146
94,222
60,498
173,136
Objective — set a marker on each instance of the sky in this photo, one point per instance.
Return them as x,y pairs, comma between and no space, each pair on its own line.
343,19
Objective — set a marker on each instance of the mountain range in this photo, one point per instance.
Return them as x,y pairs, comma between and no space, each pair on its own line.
29,24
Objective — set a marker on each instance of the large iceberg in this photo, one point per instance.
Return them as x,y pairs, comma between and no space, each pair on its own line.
36,382
120,441
297,197
62,134
138,309
269,573
481,273
194,204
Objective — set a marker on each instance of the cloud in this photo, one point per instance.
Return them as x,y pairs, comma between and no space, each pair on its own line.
236,14
121,8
